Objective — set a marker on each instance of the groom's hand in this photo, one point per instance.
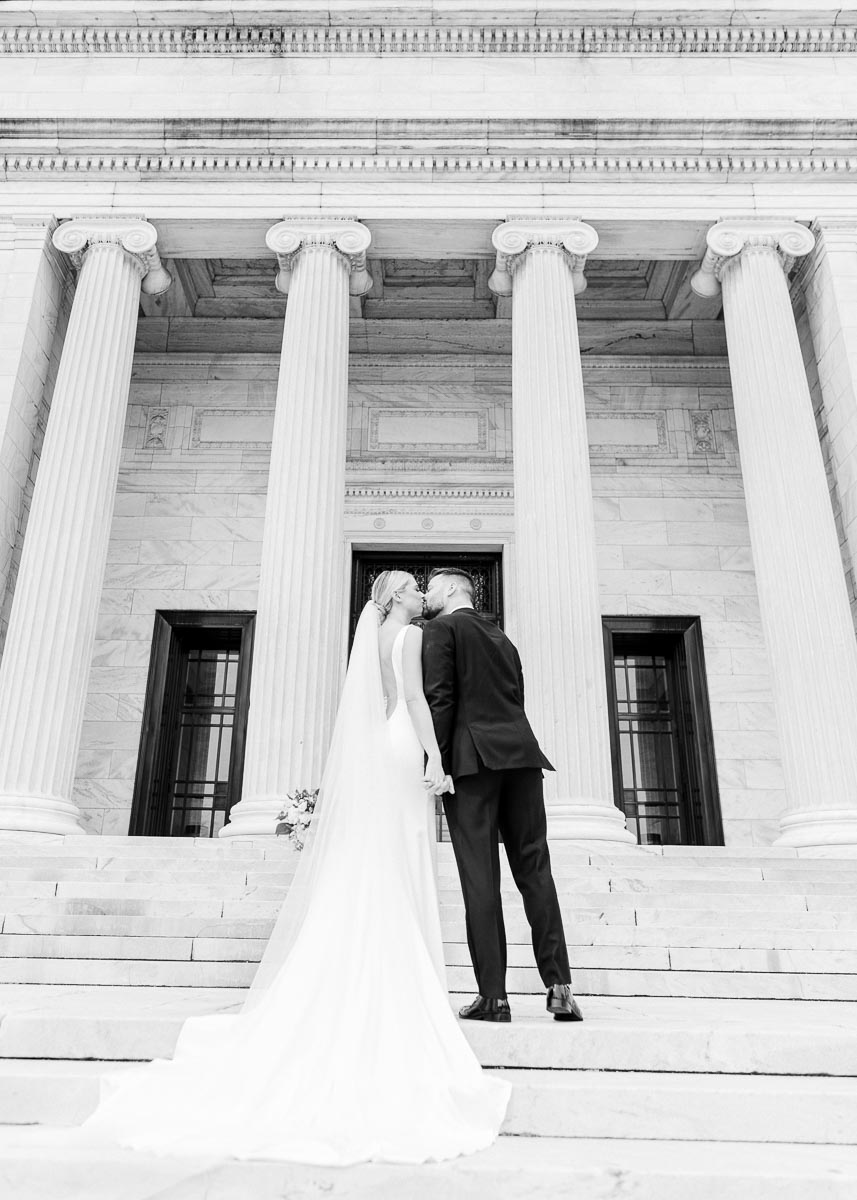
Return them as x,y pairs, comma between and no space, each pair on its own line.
447,786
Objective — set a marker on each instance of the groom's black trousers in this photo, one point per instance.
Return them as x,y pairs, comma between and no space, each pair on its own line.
512,803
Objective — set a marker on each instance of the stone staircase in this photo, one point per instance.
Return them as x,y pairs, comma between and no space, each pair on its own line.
718,1055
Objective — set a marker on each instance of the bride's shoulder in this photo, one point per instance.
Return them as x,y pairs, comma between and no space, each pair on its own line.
413,634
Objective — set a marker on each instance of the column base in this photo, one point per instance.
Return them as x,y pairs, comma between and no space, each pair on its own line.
588,821
832,830
39,815
254,818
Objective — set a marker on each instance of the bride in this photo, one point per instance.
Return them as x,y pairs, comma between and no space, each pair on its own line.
346,1049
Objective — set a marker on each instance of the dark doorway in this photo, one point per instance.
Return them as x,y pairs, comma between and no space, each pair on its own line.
192,745
486,570
664,773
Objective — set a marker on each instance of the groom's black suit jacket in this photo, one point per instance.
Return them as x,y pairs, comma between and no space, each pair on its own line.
475,689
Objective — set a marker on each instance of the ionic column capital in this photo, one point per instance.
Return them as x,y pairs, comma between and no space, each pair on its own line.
348,237
512,240
134,235
727,240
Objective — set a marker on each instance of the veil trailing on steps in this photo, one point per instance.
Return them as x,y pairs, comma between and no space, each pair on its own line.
325,1063
341,827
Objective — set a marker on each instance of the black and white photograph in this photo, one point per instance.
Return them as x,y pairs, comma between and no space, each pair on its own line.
428,600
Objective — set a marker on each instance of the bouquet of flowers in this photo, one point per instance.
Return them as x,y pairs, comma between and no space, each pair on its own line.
296,816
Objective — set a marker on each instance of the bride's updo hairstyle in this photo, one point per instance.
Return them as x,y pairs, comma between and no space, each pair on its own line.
384,589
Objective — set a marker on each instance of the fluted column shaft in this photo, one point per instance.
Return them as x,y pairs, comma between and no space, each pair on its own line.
830,290
802,593
560,632
298,647
46,660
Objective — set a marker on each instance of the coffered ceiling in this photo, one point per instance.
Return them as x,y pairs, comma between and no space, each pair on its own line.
432,289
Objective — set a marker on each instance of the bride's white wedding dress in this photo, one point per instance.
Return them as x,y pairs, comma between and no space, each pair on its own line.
350,1051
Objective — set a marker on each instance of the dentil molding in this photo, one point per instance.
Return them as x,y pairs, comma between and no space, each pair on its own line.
575,36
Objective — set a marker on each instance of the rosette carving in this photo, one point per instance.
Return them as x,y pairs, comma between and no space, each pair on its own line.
515,238
135,235
348,237
727,239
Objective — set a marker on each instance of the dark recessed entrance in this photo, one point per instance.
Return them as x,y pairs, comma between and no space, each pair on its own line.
192,745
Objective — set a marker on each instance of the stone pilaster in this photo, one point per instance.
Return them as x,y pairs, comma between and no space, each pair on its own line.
541,265
45,666
802,593
297,655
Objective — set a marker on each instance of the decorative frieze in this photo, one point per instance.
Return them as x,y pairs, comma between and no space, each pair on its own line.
574,37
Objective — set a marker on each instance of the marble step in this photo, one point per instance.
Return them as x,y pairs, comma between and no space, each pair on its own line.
618,1034
85,843
226,881
58,866
810,913
774,936
774,896
652,976
619,912
545,1103
43,1164
658,956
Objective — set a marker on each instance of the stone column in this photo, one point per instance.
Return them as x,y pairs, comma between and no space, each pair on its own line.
829,283
31,291
297,653
799,576
540,264
45,666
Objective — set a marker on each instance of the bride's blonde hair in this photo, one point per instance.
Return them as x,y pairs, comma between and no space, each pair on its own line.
385,587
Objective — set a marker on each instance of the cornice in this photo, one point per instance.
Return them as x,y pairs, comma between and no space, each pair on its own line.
283,150
587,34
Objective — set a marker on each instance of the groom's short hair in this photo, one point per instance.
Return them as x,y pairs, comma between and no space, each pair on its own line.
463,578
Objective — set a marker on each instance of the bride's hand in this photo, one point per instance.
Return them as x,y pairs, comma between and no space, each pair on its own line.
433,780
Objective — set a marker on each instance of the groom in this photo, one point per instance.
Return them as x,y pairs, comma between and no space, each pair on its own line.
475,689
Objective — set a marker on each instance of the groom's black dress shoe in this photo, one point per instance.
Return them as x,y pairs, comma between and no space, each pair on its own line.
562,1003
481,1009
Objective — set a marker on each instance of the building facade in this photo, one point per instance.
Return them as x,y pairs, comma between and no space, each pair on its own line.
292,296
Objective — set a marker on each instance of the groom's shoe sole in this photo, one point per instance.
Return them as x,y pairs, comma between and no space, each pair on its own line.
499,1018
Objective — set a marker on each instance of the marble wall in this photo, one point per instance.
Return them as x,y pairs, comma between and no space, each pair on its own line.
430,460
